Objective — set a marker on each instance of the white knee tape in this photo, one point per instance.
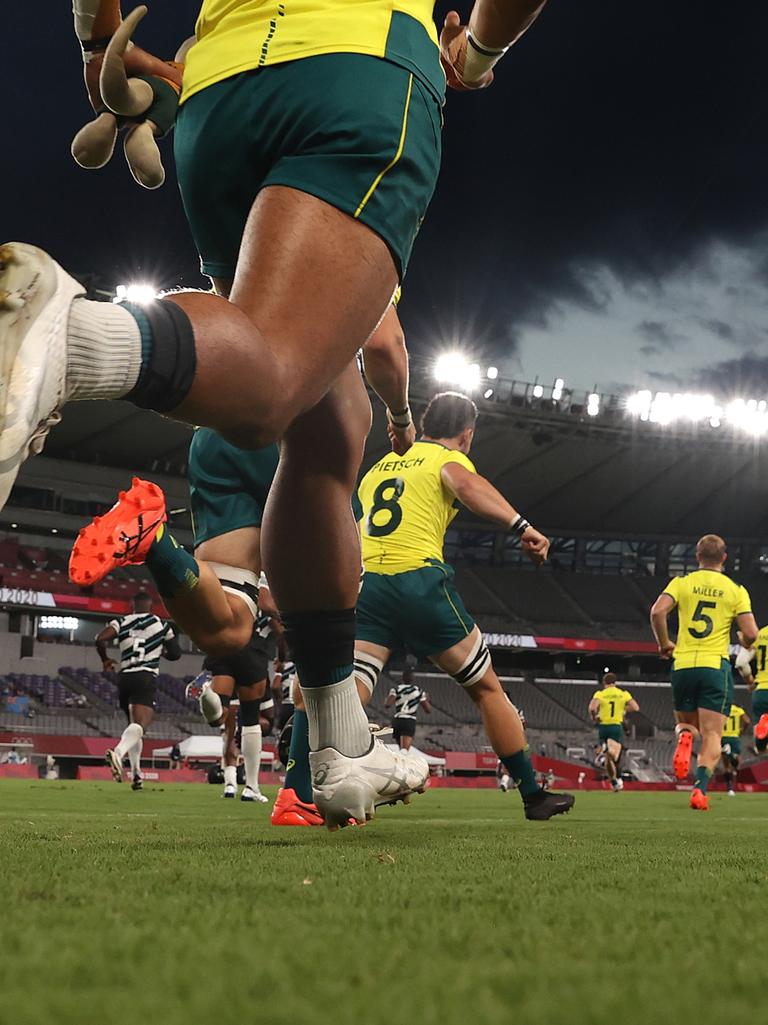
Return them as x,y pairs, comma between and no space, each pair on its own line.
475,666
242,583
367,669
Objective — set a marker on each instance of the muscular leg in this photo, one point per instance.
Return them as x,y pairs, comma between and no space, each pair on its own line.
311,552
229,752
132,741
251,742
406,743
711,728
311,286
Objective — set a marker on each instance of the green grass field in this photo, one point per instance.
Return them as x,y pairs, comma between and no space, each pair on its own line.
174,906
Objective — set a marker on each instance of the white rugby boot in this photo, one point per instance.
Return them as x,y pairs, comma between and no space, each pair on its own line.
352,788
249,794
35,299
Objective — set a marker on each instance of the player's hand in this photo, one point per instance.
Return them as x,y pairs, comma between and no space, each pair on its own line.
401,438
109,665
666,650
453,52
535,545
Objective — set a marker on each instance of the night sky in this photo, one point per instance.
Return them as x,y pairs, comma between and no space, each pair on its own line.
602,214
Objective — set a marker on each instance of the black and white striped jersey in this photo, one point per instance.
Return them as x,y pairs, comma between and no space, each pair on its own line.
140,637
408,697
286,683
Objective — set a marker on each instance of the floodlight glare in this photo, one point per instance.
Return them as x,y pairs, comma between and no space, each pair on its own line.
538,391
593,404
58,623
557,390
492,373
136,293
453,368
487,393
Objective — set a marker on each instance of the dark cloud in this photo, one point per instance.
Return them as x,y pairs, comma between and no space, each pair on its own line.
745,377
666,379
719,328
659,334
649,350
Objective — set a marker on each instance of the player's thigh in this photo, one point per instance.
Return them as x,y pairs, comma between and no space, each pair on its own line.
711,722
222,684
141,714
687,718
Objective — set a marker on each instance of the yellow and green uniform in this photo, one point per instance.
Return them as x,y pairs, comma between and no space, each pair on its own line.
732,729
760,693
707,604
228,486
408,599
340,99
610,716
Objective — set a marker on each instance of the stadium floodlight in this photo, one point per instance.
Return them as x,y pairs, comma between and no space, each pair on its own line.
59,623
54,530
453,368
538,391
487,393
14,526
492,373
557,389
593,404
136,293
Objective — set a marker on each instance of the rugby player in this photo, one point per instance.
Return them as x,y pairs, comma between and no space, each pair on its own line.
141,637
407,698
707,602
408,599
307,150
758,685
736,722
607,708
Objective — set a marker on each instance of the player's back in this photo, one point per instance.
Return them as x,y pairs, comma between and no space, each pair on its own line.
732,727
407,699
613,702
761,659
406,509
707,604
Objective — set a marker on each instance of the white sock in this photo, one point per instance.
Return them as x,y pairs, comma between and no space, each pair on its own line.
103,351
230,776
250,745
337,719
211,706
134,757
132,734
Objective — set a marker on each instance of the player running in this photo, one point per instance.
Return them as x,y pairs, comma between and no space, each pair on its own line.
758,685
608,707
408,599
407,698
736,722
707,602
142,638
307,150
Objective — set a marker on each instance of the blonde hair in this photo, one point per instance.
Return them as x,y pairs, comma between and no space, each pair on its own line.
710,549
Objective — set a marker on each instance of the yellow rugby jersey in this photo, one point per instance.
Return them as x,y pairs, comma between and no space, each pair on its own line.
761,659
707,604
240,35
613,702
732,726
405,508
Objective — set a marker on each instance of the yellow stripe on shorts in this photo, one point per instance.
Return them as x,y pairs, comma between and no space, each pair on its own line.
377,180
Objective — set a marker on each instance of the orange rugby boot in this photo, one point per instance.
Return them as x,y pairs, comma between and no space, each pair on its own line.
681,759
121,537
699,801
288,810
761,730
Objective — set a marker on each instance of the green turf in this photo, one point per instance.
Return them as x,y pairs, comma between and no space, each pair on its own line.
175,906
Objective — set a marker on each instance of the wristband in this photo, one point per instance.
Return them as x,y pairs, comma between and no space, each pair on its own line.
519,526
402,419
479,59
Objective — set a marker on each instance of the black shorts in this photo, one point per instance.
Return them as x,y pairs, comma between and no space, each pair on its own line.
247,667
139,688
402,726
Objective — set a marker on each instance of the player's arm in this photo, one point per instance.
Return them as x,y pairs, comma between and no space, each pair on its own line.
747,628
470,52
482,498
633,706
660,611
594,709
171,647
425,702
105,637
746,722
385,360
390,699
